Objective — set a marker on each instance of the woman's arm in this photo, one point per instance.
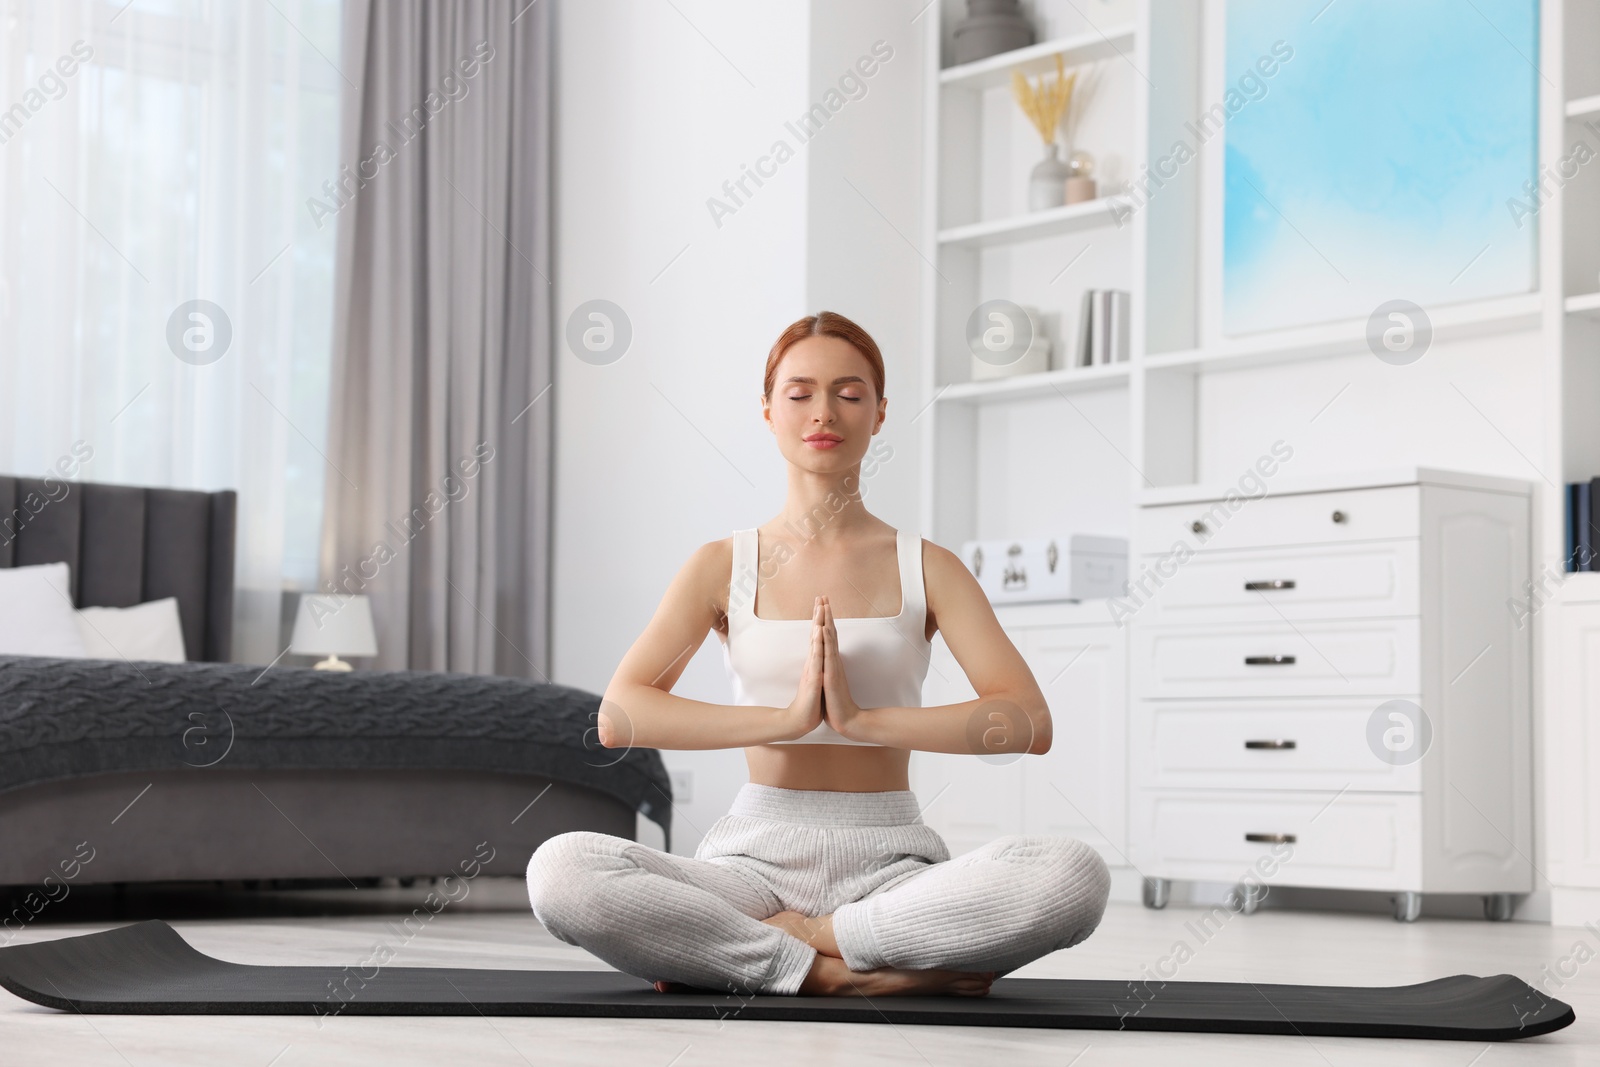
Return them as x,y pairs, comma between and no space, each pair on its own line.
637,707
1009,714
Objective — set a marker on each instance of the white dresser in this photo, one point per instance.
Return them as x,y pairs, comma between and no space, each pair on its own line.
1280,648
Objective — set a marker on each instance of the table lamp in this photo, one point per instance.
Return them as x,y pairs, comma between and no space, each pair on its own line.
331,625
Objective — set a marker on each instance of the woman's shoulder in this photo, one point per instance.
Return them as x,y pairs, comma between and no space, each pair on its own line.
713,560
936,555
942,570
710,569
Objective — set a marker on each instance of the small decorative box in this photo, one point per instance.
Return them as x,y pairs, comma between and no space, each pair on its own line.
1069,567
1035,360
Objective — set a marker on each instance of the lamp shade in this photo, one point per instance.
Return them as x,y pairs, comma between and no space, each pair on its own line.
334,626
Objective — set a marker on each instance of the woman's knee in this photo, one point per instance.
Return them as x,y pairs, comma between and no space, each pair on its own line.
1082,864
559,874
1083,886
1066,862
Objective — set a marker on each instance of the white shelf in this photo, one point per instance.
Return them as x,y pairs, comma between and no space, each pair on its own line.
1452,322
1036,58
1088,215
1583,106
1584,304
1032,386
1580,587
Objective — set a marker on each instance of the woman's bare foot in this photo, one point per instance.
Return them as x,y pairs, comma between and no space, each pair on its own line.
814,931
673,987
829,977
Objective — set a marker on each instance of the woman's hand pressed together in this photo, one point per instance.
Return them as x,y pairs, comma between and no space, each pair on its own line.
838,705
805,711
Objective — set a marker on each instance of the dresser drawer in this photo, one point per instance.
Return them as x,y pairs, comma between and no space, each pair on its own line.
1290,743
1319,582
1334,517
1339,840
1279,659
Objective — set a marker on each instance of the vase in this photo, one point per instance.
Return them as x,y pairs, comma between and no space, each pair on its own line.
1047,182
1080,184
991,27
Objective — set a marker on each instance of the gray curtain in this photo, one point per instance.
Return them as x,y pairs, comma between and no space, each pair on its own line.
438,504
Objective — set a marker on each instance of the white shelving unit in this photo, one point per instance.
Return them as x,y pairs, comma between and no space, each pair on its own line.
1073,449
1584,304
1084,46
986,244
1509,314
1073,218
1584,107
1567,691
983,243
1028,386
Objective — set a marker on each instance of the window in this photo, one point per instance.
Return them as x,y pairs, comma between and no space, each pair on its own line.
154,155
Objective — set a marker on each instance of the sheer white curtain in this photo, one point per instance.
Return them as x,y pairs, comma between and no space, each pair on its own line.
155,153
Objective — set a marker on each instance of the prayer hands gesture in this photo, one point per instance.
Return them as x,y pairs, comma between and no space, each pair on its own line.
824,694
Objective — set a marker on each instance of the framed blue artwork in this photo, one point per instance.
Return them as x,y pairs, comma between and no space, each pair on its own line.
1390,153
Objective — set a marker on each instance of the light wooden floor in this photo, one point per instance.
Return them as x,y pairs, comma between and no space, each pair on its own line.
492,928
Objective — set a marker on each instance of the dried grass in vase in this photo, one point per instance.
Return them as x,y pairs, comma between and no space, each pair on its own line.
1082,93
1045,103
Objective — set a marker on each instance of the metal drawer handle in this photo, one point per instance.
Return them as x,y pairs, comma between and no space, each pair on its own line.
1339,516
1276,583
1269,744
1267,661
1271,839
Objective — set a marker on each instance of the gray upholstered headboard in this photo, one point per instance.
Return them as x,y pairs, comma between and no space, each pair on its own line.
126,545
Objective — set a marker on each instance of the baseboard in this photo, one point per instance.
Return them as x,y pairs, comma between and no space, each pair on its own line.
1128,887
1574,905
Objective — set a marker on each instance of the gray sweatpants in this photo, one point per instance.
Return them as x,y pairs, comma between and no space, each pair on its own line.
896,897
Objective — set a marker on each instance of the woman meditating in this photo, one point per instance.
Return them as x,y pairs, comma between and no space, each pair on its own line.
822,879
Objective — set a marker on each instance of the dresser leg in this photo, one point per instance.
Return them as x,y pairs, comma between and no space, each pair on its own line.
1156,892
1497,907
1249,897
1407,906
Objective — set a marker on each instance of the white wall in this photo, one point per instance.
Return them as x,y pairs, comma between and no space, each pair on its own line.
665,449
864,215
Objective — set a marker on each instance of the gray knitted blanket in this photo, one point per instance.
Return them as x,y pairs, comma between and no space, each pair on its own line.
66,718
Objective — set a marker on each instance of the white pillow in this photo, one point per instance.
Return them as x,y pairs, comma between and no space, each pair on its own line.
38,618
148,631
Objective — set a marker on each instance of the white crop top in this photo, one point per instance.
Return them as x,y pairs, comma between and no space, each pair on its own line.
885,657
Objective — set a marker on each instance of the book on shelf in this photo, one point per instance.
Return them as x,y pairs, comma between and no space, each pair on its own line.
1583,536
1569,498
1589,532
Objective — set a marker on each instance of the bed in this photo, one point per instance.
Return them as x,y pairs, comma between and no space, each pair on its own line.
138,771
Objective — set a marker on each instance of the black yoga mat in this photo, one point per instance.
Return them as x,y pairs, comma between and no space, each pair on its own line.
147,968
